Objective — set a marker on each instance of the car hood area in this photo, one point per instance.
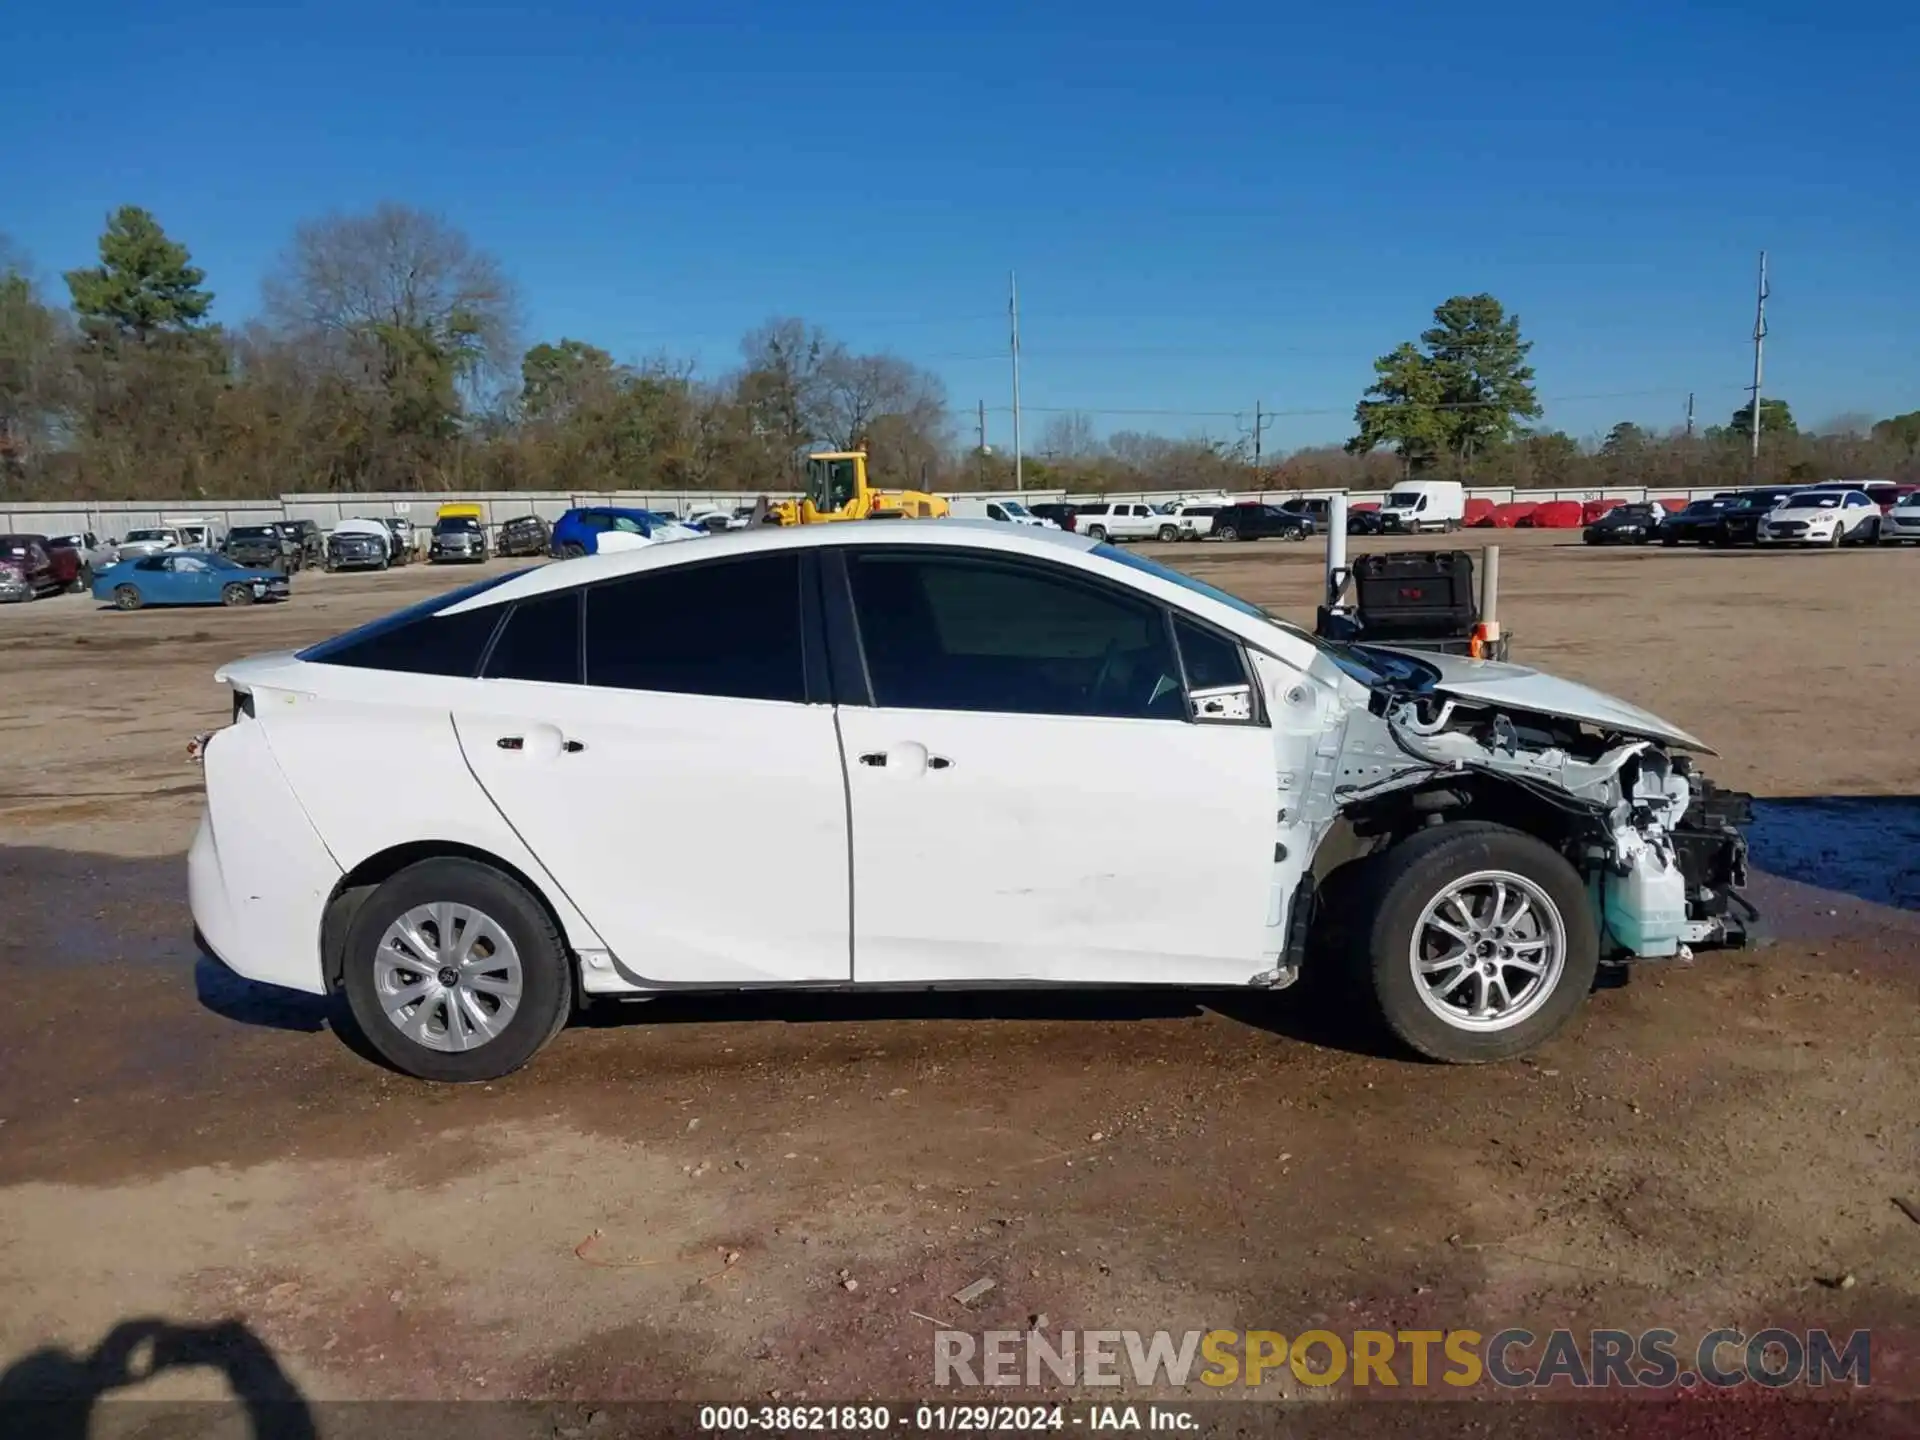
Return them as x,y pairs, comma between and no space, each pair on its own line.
1495,683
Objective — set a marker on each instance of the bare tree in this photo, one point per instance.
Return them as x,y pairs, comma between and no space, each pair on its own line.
1069,437
398,269
860,389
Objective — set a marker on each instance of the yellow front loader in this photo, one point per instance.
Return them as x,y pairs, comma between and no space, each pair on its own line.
837,489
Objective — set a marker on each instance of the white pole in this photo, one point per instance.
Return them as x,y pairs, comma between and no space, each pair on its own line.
1336,547
1013,309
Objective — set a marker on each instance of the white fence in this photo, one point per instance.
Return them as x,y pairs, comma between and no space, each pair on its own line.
110,519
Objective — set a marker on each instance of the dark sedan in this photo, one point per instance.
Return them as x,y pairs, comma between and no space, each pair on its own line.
264,547
1740,523
1703,522
525,535
1625,525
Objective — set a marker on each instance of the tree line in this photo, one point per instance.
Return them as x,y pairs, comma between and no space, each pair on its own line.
388,353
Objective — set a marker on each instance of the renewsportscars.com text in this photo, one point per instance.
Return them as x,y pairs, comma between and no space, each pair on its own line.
1510,1359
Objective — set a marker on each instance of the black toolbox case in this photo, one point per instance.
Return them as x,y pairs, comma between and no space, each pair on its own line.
1415,594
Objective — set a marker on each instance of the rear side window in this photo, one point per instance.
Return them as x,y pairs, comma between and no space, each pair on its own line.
539,641
729,628
417,639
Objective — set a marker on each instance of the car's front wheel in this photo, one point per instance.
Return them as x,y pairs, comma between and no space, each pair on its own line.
454,972
1169,533
572,551
1226,532
236,595
1477,941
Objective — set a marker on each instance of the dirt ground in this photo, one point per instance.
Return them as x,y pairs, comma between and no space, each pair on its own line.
736,1199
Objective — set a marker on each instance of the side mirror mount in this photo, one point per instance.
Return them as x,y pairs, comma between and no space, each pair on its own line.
1221,704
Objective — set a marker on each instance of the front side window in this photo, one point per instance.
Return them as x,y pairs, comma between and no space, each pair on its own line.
949,631
1211,659
643,634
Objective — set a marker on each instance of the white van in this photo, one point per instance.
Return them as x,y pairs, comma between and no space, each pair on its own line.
1011,511
1416,505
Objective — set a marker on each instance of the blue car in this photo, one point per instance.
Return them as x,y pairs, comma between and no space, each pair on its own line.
578,532
186,577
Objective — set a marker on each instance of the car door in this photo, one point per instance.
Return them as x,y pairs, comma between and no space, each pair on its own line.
1859,514
1031,799
652,741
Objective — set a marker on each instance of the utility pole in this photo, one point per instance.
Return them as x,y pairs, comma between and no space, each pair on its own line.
1013,310
1759,345
1689,414
980,450
1261,420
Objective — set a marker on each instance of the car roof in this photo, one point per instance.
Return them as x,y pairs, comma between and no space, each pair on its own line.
769,539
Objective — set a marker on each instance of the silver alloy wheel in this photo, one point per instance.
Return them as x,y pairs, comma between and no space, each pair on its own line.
1488,951
448,976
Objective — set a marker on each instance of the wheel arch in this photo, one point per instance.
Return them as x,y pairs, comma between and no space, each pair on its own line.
336,918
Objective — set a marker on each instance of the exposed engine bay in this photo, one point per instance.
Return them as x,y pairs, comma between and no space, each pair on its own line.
1660,846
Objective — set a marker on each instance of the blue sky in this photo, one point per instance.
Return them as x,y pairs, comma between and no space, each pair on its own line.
1207,204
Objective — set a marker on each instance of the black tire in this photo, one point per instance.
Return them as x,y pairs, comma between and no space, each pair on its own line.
572,551
1669,539
126,597
330,567
546,998
1169,534
82,582
1396,887
1226,532
1834,541
236,595
1296,534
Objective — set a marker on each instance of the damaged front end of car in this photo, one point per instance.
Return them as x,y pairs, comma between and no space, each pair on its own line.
1659,846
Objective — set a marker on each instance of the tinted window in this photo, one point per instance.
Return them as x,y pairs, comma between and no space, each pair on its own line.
946,631
415,638
1210,657
540,641
731,628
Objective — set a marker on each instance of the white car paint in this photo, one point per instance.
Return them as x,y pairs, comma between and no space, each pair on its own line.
1820,517
720,789
1416,505
1123,520
687,840
1498,683
1001,509
146,540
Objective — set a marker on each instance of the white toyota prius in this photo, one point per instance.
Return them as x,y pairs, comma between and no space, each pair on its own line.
930,754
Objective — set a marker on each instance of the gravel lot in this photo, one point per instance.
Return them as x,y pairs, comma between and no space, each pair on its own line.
671,1201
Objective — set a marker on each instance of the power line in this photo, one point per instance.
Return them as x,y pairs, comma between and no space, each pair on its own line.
1329,409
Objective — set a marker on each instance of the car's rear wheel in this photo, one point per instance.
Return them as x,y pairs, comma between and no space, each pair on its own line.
82,582
236,595
454,972
572,551
1096,532
1226,532
1476,942
126,597
1169,533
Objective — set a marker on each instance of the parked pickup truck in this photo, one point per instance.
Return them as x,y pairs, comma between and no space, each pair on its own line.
1125,521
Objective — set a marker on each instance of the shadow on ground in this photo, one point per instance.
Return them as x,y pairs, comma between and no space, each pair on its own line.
52,1393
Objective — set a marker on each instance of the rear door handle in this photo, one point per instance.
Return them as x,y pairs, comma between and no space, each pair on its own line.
878,759
872,757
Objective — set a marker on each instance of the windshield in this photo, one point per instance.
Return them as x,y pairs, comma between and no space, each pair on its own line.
456,524
1014,507
1818,500
254,532
1368,667
1403,499
149,535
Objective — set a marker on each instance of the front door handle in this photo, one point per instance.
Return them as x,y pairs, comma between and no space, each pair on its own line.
519,742
874,757
512,742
